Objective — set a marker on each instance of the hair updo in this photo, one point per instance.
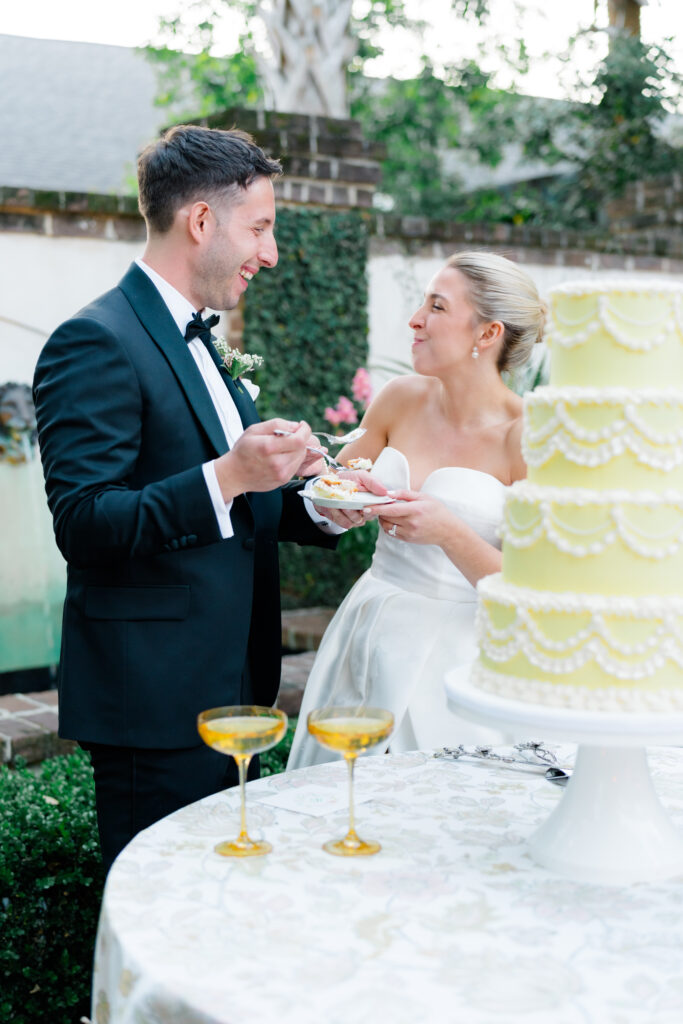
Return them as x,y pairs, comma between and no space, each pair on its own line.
500,290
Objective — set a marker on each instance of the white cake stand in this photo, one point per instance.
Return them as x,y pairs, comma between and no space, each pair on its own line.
609,827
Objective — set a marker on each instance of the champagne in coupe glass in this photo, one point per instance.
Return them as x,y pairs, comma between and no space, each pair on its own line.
350,731
242,731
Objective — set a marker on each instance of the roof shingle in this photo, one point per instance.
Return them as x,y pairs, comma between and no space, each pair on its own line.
73,116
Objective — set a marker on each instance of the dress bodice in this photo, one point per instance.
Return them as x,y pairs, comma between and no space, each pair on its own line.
476,497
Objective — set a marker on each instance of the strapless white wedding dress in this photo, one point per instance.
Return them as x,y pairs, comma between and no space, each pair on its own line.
405,623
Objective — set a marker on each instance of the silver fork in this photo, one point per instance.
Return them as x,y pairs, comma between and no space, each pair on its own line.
352,435
329,459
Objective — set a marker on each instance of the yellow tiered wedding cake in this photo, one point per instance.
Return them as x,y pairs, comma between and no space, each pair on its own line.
588,609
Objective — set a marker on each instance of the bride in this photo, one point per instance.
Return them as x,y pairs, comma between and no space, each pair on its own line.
446,441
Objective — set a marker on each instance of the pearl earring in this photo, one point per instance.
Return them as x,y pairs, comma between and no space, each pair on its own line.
475,352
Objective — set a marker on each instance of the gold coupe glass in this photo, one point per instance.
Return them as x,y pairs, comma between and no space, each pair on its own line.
350,731
242,731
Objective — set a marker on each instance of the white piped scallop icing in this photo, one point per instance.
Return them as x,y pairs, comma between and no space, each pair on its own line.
628,429
649,606
605,396
591,625
665,328
625,699
666,299
613,523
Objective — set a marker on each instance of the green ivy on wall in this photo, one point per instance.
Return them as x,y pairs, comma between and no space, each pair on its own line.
309,320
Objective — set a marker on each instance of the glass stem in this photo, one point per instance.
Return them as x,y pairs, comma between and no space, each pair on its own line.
242,765
350,761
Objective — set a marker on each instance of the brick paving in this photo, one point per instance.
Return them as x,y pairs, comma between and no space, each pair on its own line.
302,628
295,671
28,721
28,727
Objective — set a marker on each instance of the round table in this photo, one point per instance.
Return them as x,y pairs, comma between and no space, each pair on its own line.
452,921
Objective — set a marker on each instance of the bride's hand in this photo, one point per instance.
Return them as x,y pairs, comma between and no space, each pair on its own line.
416,518
365,480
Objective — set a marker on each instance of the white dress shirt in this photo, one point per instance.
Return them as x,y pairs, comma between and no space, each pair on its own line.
182,311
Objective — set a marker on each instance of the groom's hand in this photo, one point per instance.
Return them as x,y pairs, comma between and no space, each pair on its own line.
313,464
262,460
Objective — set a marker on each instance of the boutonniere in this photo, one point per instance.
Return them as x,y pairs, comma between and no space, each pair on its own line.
236,362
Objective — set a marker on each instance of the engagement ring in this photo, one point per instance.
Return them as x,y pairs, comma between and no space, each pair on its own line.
392,531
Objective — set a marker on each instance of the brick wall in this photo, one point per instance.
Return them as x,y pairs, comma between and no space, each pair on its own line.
526,244
71,215
326,161
650,239
649,216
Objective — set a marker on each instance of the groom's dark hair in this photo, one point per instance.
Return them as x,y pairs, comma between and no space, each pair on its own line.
189,162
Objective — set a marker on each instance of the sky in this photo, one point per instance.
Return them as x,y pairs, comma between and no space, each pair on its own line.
135,23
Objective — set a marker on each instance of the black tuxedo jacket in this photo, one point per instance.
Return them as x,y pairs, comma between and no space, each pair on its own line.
161,614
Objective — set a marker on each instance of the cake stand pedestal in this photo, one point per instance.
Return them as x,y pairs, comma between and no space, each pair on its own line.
609,827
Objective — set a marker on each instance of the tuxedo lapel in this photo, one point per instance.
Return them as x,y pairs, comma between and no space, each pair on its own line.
243,402
154,316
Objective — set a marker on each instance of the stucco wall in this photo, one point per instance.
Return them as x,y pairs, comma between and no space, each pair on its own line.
44,281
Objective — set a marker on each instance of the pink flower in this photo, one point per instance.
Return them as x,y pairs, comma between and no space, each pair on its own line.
361,388
346,410
332,416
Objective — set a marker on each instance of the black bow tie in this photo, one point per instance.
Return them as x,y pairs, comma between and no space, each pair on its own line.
198,328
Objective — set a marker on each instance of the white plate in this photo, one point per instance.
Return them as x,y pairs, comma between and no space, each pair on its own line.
359,500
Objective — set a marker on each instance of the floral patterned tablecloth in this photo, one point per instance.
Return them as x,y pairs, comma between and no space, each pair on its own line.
451,922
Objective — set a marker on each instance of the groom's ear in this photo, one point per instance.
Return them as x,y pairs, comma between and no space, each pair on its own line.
199,220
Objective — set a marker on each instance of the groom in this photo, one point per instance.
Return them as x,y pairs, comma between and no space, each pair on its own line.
168,494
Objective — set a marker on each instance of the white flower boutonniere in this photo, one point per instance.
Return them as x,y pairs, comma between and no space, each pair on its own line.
236,362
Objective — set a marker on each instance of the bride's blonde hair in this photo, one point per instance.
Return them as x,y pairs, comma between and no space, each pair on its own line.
500,290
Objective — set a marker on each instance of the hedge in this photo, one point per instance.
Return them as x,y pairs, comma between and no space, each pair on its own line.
51,880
